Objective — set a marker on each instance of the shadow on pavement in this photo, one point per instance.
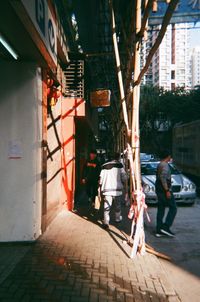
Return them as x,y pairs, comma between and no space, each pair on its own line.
47,273
117,231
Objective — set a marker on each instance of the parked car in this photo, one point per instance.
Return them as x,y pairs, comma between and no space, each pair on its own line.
183,188
146,157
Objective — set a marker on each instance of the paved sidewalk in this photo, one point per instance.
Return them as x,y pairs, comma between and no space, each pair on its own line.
77,260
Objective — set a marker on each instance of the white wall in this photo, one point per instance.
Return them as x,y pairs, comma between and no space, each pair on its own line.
20,125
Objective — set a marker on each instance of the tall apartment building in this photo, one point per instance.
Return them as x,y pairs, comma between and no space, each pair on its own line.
145,47
195,66
171,65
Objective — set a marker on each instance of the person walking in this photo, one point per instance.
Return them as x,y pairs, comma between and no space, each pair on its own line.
90,176
165,197
112,180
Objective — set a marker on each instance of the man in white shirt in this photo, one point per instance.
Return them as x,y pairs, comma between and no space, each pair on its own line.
112,180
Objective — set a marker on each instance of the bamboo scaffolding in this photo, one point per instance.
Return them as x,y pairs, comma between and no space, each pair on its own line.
122,94
133,142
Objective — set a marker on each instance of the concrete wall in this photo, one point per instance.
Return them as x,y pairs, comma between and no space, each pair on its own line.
20,151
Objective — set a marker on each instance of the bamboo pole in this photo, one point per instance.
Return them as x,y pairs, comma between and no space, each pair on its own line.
119,72
136,98
155,6
139,240
151,250
147,10
134,38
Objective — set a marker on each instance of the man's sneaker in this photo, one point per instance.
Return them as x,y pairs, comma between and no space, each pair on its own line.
159,234
106,226
118,219
167,232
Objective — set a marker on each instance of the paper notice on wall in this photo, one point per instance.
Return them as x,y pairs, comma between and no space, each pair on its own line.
14,149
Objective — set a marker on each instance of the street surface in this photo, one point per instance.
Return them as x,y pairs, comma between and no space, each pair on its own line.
76,260
184,249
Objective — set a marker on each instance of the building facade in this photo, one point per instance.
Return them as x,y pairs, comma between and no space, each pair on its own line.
171,64
196,66
43,115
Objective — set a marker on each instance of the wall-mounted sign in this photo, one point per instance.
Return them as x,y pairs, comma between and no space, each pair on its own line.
100,98
44,23
186,11
62,39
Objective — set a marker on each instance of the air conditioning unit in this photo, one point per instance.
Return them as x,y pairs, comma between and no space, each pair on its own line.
73,82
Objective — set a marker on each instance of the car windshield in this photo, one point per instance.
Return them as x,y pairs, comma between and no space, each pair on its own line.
150,168
145,157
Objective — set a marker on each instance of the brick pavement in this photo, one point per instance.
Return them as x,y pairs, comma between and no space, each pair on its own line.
76,260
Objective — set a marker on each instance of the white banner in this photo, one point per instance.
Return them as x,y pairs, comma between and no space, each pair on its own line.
44,23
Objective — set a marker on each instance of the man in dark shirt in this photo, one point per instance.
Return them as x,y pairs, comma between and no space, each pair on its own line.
91,171
165,197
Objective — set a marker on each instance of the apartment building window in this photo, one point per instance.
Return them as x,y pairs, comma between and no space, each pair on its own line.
173,86
181,71
173,74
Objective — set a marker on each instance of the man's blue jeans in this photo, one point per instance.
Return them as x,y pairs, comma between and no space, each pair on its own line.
164,202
